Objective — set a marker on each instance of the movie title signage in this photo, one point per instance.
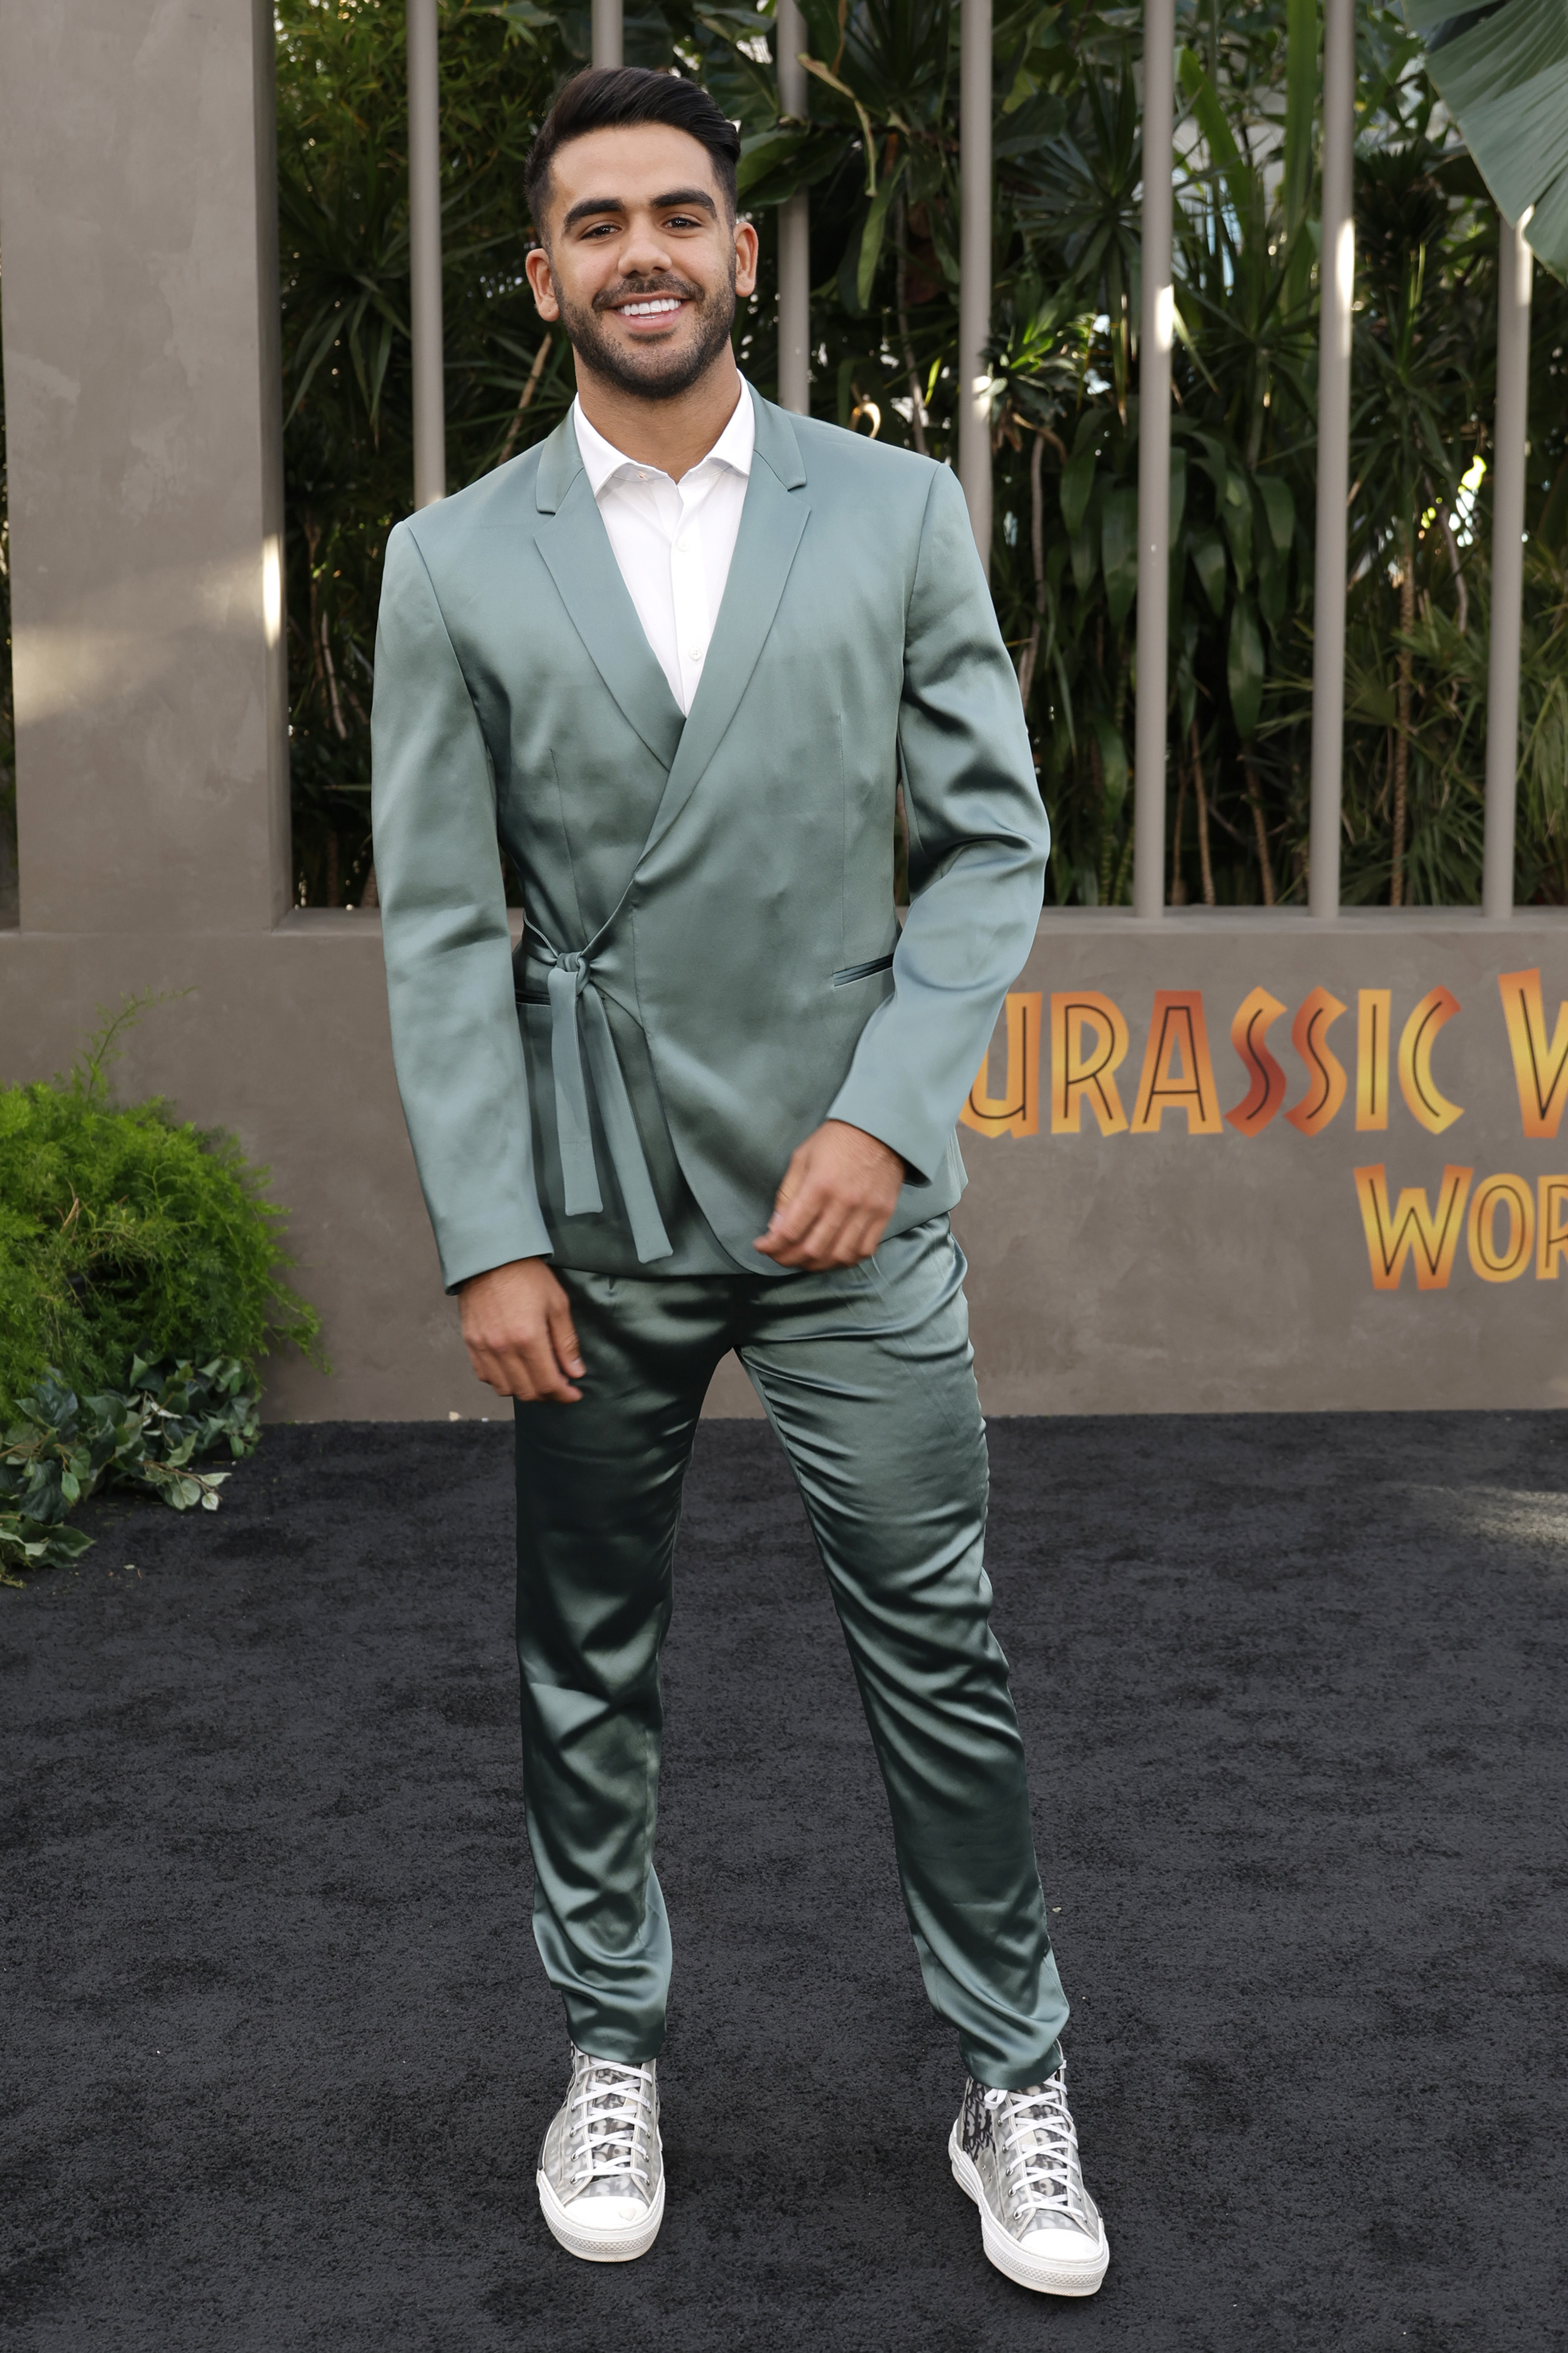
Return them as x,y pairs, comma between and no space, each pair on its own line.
1507,1223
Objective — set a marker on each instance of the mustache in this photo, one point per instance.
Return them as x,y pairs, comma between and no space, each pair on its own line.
636,289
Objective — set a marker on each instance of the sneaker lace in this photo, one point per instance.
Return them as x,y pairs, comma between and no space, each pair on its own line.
611,2124
1039,2153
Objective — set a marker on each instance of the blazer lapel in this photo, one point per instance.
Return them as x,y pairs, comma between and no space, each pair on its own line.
572,538
772,520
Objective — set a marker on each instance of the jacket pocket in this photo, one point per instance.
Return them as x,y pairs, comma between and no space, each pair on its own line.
862,971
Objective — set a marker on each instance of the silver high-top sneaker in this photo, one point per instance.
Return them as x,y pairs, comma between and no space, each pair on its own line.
1015,2154
601,2169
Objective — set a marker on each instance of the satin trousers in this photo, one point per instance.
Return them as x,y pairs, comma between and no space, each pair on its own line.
867,1377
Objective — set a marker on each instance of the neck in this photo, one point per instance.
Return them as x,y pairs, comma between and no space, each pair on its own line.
673,434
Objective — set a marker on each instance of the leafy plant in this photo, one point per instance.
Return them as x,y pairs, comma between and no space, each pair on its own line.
150,1435
879,159
126,1234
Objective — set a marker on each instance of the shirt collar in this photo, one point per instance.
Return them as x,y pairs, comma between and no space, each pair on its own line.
602,461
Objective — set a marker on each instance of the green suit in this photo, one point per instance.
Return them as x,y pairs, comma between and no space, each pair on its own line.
713,966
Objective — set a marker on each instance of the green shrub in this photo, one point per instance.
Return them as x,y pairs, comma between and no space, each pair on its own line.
125,1232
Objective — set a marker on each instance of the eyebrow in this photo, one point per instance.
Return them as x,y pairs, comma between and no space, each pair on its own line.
592,205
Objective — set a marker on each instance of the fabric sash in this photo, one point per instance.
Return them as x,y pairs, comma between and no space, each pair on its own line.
579,1031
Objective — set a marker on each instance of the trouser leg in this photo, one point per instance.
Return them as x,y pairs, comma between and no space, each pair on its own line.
598,1493
867,1380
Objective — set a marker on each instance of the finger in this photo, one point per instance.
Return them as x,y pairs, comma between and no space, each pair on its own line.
546,1377
527,1371
815,1247
792,1202
563,1337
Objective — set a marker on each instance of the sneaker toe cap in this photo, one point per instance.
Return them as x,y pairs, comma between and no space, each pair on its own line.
591,2213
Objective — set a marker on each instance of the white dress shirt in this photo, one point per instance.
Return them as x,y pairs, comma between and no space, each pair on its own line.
673,540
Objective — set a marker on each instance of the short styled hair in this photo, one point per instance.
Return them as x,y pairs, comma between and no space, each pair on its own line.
615,97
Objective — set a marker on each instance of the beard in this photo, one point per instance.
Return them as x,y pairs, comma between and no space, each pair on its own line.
657,371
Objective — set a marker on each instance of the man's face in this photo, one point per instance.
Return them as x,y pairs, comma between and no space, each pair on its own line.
641,263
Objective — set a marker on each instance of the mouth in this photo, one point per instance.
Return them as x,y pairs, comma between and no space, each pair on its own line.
647,312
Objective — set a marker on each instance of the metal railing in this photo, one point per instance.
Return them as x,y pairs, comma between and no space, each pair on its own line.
1337,277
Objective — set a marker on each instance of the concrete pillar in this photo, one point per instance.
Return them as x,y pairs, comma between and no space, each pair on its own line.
138,219
425,306
1337,285
795,225
1154,462
1516,264
974,266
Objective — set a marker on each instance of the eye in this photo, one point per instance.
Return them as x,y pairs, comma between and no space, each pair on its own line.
682,220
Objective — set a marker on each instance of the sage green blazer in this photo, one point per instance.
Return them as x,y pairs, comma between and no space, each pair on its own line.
713,964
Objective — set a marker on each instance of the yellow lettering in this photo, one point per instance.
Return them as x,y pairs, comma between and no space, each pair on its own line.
1434,1111
1373,1011
1016,1110
1080,1074
1540,1064
1514,1196
1430,1236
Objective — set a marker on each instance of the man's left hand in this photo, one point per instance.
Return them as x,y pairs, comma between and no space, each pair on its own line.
839,1190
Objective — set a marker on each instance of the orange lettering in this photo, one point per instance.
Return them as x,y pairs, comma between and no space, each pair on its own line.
1326,1090
1178,1074
1434,1111
1551,1226
1247,1033
1540,1067
1493,1194
1431,1237
1374,1006
1016,1110
1078,1076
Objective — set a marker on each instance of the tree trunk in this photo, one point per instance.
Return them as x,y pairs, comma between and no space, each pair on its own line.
1402,734
1206,866
1037,548
918,406
1178,888
1265,864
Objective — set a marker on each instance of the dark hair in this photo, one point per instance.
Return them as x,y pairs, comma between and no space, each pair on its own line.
612,98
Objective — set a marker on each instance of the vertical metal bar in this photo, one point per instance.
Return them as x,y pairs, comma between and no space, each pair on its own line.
974,266
1336,274
795,223
1153,462
1515,265
609,48
424,255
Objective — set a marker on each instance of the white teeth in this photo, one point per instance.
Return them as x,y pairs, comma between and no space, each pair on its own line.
649,310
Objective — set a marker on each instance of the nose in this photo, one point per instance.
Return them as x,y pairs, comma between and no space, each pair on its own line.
644,252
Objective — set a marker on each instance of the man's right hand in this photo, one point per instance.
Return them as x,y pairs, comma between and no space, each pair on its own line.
516,1328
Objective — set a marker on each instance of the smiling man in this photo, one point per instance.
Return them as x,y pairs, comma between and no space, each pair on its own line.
681,658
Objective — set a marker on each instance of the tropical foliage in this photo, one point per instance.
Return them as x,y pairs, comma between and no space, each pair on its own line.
880,158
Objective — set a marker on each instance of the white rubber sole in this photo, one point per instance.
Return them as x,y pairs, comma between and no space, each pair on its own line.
1058,2278
615,2246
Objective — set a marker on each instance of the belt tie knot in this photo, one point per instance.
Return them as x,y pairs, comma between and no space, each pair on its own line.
579,1029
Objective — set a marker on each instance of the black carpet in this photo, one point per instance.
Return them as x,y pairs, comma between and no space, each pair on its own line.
280,2052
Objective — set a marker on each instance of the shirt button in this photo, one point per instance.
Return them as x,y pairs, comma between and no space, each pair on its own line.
696,653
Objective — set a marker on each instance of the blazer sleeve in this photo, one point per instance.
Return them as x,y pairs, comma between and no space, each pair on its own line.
455,1038
978,843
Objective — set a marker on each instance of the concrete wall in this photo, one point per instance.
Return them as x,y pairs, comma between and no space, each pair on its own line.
1173,1270
1176,1263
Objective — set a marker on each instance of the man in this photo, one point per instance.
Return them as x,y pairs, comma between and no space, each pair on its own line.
681,658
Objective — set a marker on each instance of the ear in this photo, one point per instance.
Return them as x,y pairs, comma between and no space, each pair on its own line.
746,243
542,279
